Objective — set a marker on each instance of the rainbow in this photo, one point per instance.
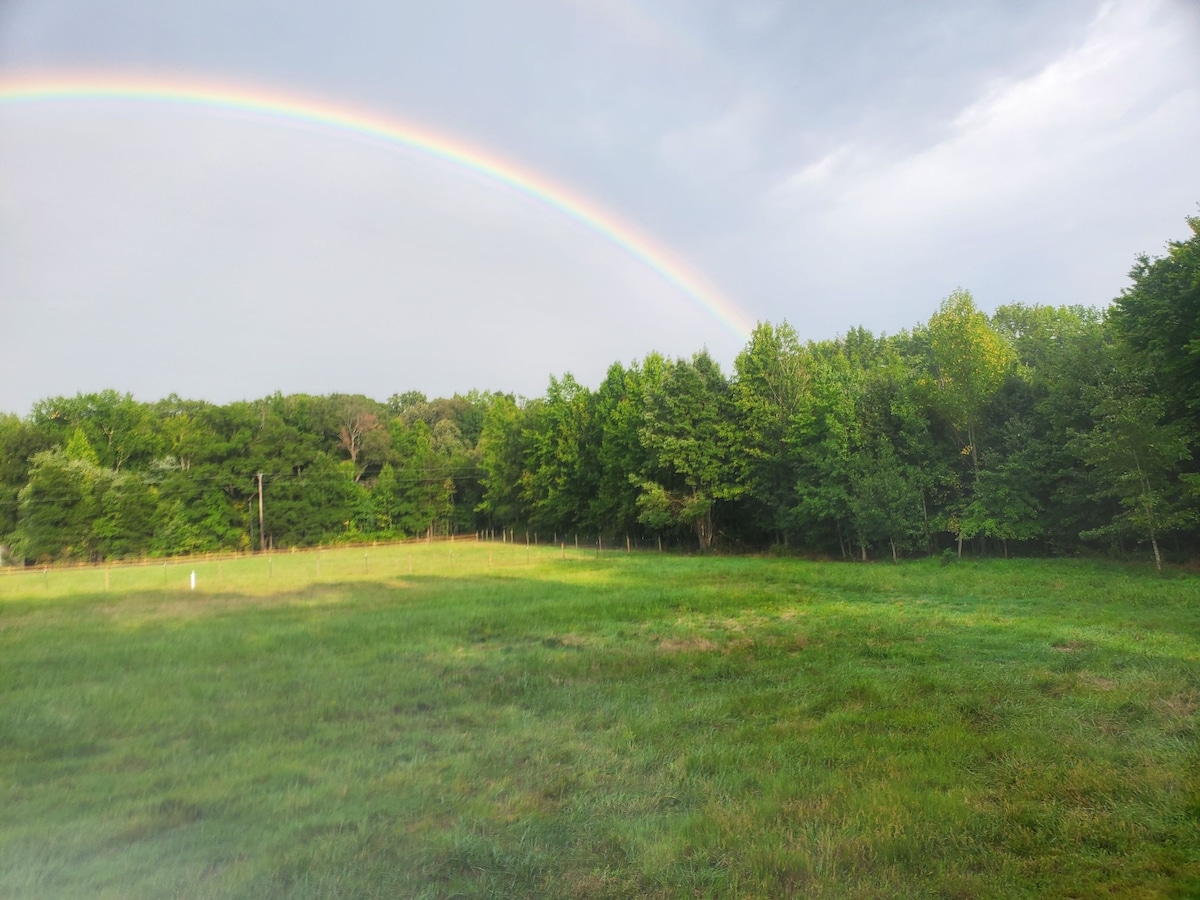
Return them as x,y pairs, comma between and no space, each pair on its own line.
395,132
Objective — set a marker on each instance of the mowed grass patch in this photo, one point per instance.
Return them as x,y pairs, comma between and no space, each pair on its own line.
487,720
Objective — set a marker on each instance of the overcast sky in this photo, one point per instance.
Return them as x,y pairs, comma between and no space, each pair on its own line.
828,164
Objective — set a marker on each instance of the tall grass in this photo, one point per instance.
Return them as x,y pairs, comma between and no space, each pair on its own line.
487,720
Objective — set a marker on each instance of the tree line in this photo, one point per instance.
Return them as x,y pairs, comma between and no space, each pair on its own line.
1036,429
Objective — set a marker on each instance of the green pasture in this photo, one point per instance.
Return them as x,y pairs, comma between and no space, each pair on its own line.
490,720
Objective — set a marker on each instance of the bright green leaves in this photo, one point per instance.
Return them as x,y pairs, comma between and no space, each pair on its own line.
618,412
78,448
561,472
502,460
969,360
1158,319
119,429
688,428
1137,457
72,507
772,381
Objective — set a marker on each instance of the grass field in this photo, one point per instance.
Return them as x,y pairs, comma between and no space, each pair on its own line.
483,720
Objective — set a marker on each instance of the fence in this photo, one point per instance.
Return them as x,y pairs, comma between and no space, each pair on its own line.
460,555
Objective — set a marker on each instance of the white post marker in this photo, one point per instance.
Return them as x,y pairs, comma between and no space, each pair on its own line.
193,579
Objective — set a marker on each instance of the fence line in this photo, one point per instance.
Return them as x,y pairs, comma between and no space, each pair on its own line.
593,543
146,562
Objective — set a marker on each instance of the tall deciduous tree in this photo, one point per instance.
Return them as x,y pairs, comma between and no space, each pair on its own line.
621,458
1063,355
969,360
355,423
20,441
1137,457
688,427
1158,319
502,461
119,428
560,477
769,390
59,505
823,436
884,501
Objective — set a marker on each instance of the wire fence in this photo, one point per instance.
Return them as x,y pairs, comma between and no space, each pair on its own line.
474,554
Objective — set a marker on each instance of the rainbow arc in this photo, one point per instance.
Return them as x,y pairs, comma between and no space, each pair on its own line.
396,132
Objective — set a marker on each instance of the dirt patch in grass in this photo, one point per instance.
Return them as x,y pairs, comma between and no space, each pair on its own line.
141,609
751,622
573,641
740,644
736,645
1068,646
688,645
1180,706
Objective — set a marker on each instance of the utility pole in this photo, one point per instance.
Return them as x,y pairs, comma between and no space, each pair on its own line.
261,533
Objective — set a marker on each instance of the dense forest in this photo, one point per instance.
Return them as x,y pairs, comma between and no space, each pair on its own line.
1033,430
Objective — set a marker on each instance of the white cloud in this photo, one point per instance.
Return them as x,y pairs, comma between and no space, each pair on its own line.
1024,138
829,170
1041,189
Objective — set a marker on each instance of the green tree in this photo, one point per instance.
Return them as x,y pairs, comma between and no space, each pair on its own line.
78,447
73,508
969,361
688,427
121,430
772,380
57,508
182,427
1063,355
447,451
357,427
1002,508
621,459
1158,319
884,504
502,461
384,501
560,478
823,436
398,404
1137,457
125,520
20,441
314,506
